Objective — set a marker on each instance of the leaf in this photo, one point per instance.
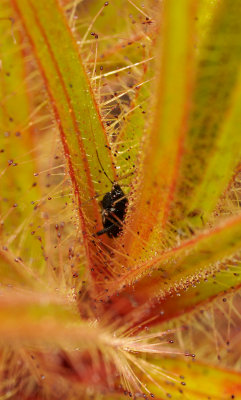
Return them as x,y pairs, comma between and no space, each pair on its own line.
223,162
159,168
10,272
16,145
205,13
130,137
212,143
201,381
176,271
73,103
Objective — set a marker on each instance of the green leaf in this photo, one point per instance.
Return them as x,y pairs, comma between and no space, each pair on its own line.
224,159
212,147
17,164
128,145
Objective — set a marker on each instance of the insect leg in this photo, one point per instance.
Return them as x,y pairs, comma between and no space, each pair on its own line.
116,222
118,200
102,231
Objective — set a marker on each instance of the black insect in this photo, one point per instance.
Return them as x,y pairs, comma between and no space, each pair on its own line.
113,205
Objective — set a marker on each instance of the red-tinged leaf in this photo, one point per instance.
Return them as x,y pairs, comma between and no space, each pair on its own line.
163,149
200,381
174,272
188,296
74,107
